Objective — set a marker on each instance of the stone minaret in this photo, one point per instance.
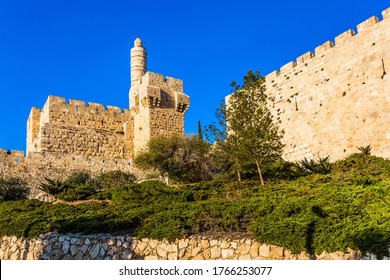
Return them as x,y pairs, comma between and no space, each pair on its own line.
137,66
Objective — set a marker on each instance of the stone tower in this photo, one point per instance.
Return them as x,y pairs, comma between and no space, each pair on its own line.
157,103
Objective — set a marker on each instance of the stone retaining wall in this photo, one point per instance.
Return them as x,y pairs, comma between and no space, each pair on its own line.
53,246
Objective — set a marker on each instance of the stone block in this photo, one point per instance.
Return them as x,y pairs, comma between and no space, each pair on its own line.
365,25
227,253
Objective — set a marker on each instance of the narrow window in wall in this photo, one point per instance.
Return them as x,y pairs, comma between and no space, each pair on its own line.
97,111
78,122
383,67
296,105
77,108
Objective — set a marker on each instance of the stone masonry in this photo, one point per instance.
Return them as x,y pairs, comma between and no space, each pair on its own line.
54,246
338,98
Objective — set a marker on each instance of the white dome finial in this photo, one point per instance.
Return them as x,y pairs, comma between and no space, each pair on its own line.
138,42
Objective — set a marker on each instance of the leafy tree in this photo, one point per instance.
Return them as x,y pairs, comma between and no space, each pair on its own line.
252,133
216,131
223,158
182,159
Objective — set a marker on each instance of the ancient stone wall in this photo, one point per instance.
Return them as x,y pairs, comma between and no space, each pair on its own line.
338,98
53,246
78,130
34,168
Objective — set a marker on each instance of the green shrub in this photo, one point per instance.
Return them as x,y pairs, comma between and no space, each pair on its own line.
114,179
320,166
283,170
78,178
80,192
13,189
52,186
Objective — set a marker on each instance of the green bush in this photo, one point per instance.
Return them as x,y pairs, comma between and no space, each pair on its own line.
13,189
77,179
114,179
53,187
80,185
347,208
80,192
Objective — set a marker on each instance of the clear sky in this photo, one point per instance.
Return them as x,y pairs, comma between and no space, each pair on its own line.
80,49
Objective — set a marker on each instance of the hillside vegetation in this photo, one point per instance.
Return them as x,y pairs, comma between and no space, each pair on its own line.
346,208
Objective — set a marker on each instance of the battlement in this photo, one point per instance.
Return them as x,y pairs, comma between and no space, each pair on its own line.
55,103
15,153
366,26
158,80
12,156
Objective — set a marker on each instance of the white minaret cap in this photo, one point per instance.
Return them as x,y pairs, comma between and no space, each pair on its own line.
138,42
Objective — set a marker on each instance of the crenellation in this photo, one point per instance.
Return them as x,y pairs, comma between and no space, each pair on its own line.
367,24
287,67
324,47
340,39
93,106
305,58
114,109
272,76
77,103
54,100
386,13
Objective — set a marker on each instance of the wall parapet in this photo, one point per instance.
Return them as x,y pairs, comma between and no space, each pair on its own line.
14,156
80,106
155,79
340,40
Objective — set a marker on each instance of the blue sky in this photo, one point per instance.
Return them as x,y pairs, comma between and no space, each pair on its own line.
80,49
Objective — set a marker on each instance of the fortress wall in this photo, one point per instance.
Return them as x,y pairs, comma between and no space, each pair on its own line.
35,167
166,122
76,114
79,130
141,128
330,102
83,142
11,162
